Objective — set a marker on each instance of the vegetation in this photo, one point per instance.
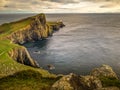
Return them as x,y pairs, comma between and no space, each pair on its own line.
18,76
7,28
108,81
26,80
53,23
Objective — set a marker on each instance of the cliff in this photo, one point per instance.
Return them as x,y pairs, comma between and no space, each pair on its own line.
26,30
36,29
21,55
15,61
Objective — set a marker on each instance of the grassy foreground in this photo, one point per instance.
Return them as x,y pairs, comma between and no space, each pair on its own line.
27,80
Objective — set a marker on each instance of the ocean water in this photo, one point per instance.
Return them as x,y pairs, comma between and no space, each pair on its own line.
87,41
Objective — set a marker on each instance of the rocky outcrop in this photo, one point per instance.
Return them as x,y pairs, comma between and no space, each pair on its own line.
89,82
67,82
57,26
21,55
74,82
37,29
33,31
104,71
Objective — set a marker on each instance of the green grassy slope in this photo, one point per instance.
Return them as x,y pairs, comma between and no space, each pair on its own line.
26,80
7,28
18,75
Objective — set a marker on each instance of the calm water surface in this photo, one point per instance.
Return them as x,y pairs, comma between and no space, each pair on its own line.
87,41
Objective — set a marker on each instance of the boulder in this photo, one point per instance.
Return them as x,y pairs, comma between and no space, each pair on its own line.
90,82
104,71
67,82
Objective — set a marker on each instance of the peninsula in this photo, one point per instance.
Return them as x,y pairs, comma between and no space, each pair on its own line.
18,71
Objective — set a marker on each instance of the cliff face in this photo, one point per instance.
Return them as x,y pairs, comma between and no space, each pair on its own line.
21,55
36,30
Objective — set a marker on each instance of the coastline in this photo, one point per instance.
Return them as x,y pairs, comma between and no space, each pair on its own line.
41,29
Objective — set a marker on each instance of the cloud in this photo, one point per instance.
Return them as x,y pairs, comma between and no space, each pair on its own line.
60,6
2,2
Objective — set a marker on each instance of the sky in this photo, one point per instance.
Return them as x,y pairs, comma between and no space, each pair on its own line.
59,6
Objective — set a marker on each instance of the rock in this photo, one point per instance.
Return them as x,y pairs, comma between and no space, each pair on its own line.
21,55
58,25
104,71
50,66
61,24
90,82
36,52
67,82
35,30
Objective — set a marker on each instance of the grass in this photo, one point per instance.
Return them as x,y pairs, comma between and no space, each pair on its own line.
14,75
7,28
26,80
53,23
108,81
5,60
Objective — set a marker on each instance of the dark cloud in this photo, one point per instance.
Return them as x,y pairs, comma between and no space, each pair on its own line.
6,6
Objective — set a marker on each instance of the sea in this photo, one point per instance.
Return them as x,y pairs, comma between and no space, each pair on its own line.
86,42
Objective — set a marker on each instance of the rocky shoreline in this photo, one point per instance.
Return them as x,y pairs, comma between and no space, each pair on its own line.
97,80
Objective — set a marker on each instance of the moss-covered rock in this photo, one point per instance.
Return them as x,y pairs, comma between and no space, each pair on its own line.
104,71
67,82
90,82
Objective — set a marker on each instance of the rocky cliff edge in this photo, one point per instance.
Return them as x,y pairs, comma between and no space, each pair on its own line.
27,30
